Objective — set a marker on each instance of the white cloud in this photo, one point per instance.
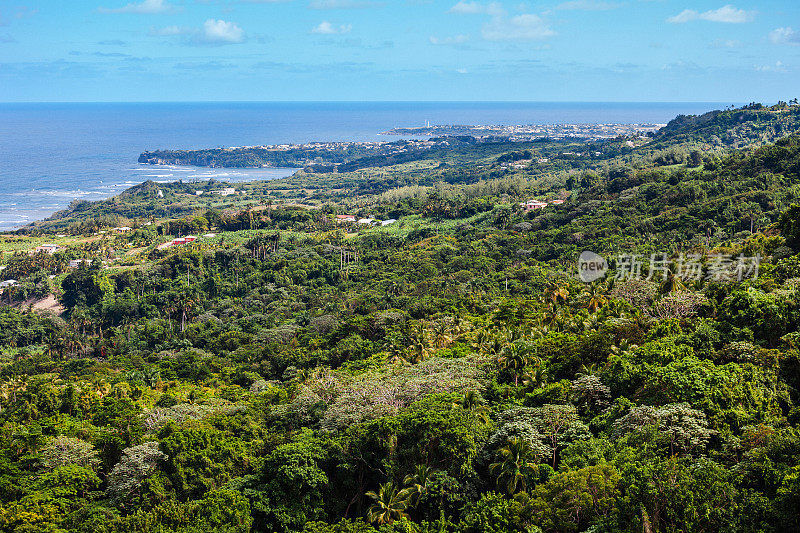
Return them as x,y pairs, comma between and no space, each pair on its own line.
727,14
587,5
221,32
146,7
458,39
213,32
326,28
525,27
777,67
784,36
476,8
462,71
501,27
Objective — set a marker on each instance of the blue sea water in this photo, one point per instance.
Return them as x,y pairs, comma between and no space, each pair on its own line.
51,154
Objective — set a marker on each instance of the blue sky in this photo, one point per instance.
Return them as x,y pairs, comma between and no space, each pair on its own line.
267,50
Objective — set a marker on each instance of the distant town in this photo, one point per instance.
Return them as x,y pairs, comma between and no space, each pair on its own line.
531,131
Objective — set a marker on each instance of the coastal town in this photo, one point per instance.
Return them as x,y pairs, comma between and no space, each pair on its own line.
418,142
590,132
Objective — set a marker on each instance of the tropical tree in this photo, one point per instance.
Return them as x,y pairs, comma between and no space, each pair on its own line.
515,466
389,504
473,402
417,482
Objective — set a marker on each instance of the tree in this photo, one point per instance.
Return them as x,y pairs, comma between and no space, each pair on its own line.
677,425
417,482
514,358
69,450
474,403
572,500
515,466
137,463
85,287
389,504
555,423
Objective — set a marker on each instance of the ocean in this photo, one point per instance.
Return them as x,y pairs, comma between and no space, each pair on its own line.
51,154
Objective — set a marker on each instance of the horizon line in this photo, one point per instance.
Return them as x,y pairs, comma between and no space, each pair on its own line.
370,102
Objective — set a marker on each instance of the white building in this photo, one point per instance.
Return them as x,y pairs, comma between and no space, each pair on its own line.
530,205
48,248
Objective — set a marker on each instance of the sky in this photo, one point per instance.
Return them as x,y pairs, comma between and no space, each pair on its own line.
399,50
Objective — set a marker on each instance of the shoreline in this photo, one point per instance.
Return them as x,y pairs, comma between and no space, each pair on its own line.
40,213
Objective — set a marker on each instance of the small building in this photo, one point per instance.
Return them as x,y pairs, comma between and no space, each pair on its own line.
531,205
8,283
209,235
179,240
367,221
123,229
227,191
189,238
345,218
199,193
388,222
556,202
75,263
48,248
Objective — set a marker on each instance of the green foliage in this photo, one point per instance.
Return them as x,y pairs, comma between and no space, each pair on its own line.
295,374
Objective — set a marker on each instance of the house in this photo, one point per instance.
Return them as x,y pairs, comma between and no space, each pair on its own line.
227,191
345,218
48,248
8,283
179,240
75,263
123,229
387,222
367,221
190,238
530,205
556,202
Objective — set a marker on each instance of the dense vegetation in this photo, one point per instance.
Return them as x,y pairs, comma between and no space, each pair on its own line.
447,372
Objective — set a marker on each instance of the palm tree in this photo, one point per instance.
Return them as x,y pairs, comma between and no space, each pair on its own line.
100,387
389,504
473,402
441,334
514,466
535,379
514,359
623,348
417,482
596,300
557,293
671,284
